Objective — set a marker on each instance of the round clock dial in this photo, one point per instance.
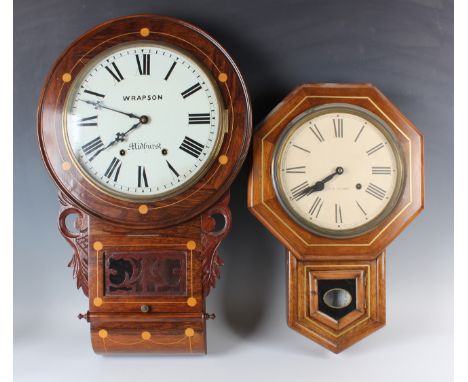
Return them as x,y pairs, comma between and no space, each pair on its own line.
143,120
337,170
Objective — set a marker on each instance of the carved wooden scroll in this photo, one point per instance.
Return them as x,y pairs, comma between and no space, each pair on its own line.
211,239
78,240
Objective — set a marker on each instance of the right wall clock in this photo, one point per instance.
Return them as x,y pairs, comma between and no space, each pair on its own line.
337,175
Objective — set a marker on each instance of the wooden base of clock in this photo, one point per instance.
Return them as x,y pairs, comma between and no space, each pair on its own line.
148,333
362,311
146,288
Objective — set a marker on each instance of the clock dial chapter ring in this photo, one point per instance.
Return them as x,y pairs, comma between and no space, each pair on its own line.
290,198
179,181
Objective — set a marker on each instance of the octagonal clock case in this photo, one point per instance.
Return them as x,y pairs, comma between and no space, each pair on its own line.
337,174
143,124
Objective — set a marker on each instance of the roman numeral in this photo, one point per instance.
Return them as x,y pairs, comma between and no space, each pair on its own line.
317,132
114,166
381,170
301,148
375,191
142,179
117,75
191,90
143,64
192,147
170,70
338,127
374,149
296,170
172,168
92,146
338,215
199,119
362,209
316,206
88,121
296,191
94,93
358,134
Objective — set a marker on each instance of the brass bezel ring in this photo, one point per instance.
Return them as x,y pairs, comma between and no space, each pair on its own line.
293,125
222,122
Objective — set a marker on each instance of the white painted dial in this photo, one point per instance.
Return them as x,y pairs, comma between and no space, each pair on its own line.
143,120
338,170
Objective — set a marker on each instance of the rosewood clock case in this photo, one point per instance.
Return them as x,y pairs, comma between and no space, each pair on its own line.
146,265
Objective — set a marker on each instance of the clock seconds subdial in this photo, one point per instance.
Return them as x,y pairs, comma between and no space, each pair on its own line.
337,171
143,120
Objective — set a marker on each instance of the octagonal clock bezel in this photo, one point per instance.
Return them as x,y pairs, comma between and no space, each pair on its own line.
345,108
263,201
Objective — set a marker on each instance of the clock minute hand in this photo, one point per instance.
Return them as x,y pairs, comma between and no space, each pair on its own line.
99,105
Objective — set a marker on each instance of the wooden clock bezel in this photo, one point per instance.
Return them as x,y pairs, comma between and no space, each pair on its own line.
152,213
262,198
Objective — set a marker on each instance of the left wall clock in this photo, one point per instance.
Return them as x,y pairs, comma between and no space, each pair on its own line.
143,124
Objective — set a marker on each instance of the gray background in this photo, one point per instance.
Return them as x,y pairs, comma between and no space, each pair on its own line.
403,47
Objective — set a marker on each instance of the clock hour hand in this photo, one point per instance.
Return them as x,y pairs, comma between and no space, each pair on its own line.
135,126
98,105
112,143
338,171
120,137
319,185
